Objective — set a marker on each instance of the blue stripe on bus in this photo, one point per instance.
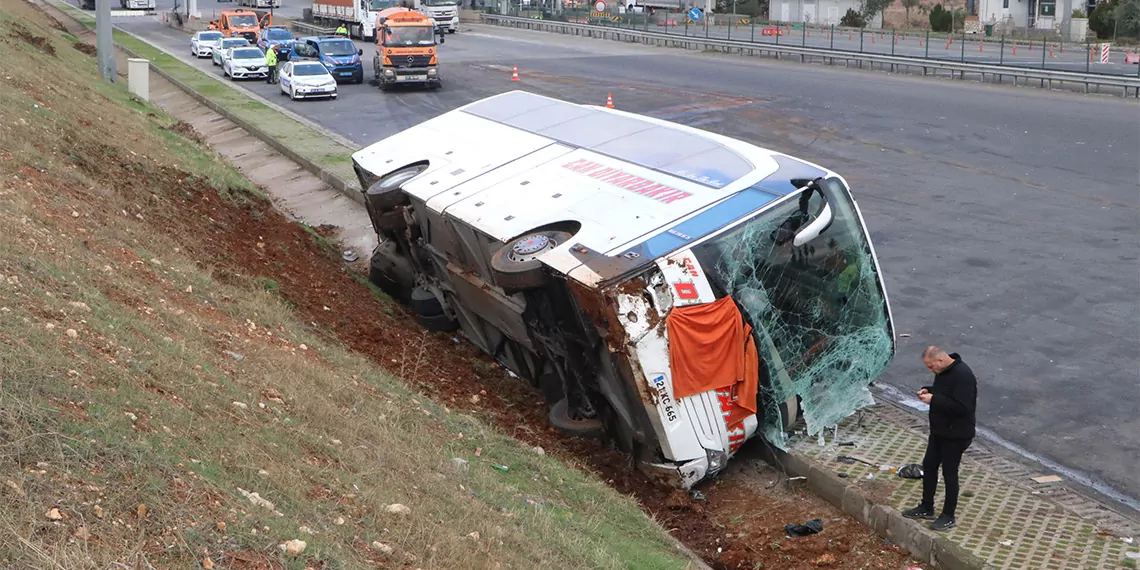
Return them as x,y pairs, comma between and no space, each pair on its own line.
705,223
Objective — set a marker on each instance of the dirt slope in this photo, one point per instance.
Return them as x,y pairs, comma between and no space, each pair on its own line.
252,289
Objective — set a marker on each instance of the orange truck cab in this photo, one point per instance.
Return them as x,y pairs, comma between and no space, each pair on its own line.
242,24
406,49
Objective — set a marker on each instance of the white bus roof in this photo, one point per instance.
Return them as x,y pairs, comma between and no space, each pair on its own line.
639,187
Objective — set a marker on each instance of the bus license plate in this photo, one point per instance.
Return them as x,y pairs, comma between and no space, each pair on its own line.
412,78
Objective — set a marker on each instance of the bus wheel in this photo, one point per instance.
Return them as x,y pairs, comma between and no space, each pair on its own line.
516,267
438,323
387,194
568,423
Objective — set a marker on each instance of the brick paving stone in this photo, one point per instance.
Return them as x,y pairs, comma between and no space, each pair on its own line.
1010,521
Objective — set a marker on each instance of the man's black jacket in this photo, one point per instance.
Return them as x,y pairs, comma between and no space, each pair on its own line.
955,398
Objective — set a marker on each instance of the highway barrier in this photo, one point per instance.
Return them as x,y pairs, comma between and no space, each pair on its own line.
1001,72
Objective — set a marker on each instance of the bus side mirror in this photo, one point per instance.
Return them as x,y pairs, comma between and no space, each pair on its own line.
822,220
441,38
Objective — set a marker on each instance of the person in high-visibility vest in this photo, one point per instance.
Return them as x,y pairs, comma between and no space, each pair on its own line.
342,31
271,63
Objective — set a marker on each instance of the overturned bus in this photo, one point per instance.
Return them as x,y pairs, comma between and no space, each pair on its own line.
673,290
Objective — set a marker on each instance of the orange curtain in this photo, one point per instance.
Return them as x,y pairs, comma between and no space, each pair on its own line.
710,347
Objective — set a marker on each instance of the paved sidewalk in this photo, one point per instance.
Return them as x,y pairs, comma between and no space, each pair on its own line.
1004,517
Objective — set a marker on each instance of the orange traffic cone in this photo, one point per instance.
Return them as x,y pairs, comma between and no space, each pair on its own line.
609,101
515,74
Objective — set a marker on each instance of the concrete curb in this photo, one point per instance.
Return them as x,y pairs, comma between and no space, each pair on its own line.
924,544
326,176
347,188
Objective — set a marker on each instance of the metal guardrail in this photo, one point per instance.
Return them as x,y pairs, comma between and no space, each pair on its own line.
1028,76
312,29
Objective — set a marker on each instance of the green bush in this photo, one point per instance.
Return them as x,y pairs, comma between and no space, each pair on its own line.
1103,19
941,20
852,19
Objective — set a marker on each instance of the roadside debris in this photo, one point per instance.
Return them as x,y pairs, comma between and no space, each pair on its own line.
1047,479
382,548
398,509
349,255
293,547
256,499
497,467
811,527
910,471
53,515
853,459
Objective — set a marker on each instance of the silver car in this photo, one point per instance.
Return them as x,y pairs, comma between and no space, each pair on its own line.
306,79
203,43
244,63
224,45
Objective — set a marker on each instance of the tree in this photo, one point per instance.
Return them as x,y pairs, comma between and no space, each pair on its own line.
941,19
852,19
872,8
909,5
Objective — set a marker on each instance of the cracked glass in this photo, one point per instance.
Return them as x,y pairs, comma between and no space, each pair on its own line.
818,311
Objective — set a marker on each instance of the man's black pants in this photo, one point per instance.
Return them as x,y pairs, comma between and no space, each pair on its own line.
271,77
947,453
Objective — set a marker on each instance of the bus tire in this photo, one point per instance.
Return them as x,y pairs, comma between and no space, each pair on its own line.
515,266
425,303
387,194
562,421
437,323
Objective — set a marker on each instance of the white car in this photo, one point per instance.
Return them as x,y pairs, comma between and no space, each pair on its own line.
203,43
224,45
306,79
244,63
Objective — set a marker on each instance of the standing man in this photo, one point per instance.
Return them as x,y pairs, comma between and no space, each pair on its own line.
271,63
341,31
952,399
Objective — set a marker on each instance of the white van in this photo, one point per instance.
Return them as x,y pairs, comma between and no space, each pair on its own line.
673,290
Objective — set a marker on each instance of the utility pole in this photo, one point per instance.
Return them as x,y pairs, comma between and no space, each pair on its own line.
104,44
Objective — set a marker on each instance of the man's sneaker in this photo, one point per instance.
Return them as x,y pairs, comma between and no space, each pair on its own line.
919,512
944,522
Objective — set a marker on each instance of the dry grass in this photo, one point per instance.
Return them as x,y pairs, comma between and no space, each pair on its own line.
141,391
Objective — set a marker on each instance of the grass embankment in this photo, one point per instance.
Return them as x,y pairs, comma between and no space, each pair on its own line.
301,138
146,393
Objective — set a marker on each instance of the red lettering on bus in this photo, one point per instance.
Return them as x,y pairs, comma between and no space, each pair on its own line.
661,192
686,291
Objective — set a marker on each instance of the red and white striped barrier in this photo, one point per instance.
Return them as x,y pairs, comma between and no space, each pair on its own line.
1104,52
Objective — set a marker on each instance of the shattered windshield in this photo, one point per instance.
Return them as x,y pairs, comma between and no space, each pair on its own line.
818,312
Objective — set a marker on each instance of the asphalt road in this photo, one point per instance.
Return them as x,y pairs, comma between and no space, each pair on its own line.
1005,218
915,44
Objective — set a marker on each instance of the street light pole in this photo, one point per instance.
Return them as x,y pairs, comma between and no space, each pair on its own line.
104,45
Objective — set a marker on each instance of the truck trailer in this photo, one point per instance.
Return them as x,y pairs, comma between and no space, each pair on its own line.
137,4
358,16
262,4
